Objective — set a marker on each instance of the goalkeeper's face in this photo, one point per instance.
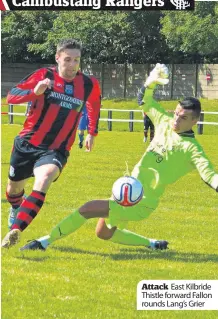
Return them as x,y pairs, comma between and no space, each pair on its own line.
183,119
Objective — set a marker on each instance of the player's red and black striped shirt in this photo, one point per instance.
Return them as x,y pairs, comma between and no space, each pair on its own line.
54,116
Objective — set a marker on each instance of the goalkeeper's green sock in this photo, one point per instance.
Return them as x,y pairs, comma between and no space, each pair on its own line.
126,237
67,226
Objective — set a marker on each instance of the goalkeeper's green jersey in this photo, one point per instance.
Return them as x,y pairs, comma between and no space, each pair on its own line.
170,155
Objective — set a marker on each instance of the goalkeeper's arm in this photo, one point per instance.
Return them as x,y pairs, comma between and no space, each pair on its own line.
159,75
204,166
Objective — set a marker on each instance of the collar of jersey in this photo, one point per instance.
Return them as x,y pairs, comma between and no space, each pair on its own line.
189,133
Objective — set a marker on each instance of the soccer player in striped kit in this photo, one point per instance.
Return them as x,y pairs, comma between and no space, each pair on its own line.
58,96
172,154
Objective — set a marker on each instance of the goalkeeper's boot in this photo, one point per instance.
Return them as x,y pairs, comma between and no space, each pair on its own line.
158,244
12,216
11,239
33,245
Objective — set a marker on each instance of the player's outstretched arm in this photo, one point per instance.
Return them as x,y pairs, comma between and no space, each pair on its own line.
159,75
204,167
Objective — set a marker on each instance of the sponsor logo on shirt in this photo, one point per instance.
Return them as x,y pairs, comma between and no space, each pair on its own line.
159,151
65,101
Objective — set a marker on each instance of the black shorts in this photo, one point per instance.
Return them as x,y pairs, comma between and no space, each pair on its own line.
25,157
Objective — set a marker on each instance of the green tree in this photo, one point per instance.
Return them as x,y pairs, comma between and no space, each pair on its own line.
112,37
98,32
193,33
22,28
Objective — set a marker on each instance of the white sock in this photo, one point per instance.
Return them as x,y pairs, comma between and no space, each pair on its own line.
44,241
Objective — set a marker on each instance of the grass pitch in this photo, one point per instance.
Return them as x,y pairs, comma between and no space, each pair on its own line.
83,277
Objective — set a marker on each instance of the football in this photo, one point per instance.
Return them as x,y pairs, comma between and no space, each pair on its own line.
127,191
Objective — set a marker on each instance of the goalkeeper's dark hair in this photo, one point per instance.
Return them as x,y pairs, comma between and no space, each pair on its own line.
69,44
191,103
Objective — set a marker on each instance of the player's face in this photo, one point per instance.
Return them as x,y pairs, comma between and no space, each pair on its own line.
183,120
68,63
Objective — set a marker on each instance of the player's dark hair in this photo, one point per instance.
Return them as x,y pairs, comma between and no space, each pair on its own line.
68,44
191,103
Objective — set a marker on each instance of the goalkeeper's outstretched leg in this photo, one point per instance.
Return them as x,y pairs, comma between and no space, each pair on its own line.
126,237
104,231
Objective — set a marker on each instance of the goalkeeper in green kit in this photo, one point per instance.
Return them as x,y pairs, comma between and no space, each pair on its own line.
173,153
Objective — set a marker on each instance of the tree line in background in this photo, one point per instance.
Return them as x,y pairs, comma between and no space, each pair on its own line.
114,37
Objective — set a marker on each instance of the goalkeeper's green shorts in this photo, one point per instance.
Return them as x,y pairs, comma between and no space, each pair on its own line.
120,215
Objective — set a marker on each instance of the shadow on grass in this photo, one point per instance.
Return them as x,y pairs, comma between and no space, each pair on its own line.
37,259
140,254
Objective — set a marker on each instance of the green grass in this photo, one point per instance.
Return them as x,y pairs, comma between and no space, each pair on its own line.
83,277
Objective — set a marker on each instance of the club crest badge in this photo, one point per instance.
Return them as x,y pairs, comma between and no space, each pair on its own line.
180,4
69,89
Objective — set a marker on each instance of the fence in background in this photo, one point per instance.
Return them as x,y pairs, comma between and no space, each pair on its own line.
109,119
124,80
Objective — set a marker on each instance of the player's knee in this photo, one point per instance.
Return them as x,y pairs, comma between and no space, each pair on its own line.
12,191
103,234
43,180
44,177
102,231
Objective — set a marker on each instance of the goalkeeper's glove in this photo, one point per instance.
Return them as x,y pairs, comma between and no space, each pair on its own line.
159,75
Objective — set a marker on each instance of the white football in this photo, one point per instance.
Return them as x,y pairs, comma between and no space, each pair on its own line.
127,191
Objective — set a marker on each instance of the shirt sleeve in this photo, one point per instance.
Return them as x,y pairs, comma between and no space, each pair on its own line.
93,108
150,106
24,90
204,166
